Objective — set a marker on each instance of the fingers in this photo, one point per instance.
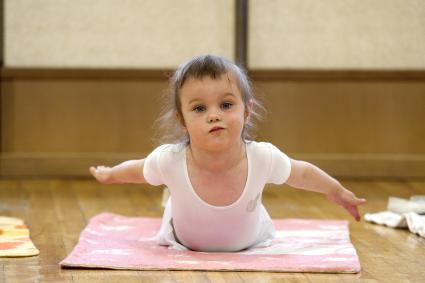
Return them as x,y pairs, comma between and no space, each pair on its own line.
92,170
102,174
352,206
353,210
97,168
97,171
349,202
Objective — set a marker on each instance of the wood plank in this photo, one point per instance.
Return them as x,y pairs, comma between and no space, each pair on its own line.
91,201
71,223
43,225
57,210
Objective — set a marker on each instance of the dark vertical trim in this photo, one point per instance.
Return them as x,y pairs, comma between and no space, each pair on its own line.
2,32
241,31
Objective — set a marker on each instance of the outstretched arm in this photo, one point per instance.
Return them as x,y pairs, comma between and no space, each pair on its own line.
309,177
127,172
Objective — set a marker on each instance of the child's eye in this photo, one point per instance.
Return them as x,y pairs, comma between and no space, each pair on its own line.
226,105
199,108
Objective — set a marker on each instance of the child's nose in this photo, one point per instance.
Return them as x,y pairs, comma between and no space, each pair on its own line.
214,118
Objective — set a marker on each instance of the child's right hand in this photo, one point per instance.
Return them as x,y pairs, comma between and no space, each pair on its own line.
102,174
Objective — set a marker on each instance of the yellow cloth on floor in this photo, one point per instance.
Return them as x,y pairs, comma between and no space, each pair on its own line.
15,238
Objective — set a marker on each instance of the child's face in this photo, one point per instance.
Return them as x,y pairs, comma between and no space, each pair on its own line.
213,112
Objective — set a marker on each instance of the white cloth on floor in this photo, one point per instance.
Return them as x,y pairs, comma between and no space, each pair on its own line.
387,218
402,213
413,221
414,204
416,223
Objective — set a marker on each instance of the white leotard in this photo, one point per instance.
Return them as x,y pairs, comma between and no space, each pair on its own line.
190,222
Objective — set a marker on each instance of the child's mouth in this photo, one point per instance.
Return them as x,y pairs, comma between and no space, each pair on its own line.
216,129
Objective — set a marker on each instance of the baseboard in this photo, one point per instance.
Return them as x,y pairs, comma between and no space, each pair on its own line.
369,165
338,165
58,164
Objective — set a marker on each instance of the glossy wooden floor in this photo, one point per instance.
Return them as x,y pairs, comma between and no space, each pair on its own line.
57,210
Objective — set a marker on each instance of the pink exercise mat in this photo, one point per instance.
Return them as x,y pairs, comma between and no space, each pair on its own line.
118,242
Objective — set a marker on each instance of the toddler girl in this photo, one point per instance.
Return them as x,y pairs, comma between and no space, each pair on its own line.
215,173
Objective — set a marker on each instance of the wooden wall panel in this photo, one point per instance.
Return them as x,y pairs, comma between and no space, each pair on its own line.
61,123
79,116
345,117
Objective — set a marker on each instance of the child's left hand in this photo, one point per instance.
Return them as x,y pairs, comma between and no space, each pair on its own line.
347,200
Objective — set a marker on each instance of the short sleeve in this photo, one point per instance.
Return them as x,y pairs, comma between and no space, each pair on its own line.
280,167
152,168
